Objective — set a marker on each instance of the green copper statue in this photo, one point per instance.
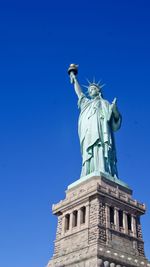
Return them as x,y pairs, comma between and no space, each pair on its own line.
97,121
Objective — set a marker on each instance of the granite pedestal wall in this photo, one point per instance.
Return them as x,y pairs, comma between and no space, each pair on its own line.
98,225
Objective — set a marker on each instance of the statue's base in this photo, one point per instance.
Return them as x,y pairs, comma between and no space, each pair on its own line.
98,225
105,175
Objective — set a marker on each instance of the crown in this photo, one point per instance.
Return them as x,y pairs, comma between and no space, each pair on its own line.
98,85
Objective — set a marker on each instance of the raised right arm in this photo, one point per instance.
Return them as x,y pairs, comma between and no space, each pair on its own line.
77,87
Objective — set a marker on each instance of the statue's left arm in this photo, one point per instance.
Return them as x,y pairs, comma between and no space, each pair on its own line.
116,117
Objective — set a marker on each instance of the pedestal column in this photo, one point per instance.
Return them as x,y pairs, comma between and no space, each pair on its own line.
125,222
116,218
133,225
79,219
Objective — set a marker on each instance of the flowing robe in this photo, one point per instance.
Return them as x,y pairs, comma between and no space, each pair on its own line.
95,127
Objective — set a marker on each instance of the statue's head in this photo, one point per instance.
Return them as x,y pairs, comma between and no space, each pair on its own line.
94,89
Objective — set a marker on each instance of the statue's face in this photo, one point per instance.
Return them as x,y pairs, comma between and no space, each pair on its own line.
93,91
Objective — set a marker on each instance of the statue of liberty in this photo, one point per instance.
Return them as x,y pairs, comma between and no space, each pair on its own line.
98,121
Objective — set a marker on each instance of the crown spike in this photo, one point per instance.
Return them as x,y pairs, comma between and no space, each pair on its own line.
102,85
88,81
85,86
99,82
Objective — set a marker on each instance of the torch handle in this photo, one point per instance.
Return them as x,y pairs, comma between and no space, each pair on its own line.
72,76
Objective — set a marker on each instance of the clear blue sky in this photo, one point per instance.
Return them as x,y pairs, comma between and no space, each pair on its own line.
39,147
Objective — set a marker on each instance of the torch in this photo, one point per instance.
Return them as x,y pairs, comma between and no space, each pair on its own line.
73,69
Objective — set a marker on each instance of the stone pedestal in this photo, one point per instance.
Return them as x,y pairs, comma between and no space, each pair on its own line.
98,225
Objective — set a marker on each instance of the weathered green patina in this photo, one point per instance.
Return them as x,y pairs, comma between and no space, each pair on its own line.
98,121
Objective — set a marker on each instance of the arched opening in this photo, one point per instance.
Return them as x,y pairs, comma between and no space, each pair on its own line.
75,218
111,215
129,222
83,215
120,218
67,222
